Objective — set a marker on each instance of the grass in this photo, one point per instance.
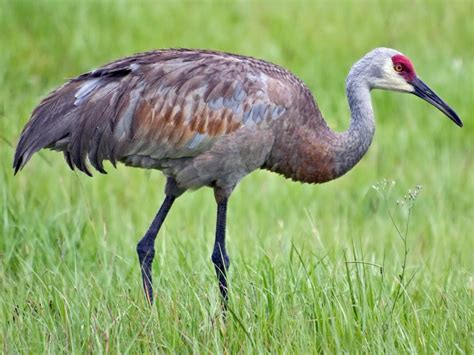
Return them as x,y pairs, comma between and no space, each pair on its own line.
314,269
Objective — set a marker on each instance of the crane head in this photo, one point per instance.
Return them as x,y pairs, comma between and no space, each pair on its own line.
391,70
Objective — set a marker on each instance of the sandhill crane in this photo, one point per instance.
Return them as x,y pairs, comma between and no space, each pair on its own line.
208,118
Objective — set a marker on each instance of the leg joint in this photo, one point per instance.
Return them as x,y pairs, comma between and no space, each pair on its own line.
221,259
145,250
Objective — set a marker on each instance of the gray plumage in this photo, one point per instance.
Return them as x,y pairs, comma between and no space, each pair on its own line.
208,118
183,110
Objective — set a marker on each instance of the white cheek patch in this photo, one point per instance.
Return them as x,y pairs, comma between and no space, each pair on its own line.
393,80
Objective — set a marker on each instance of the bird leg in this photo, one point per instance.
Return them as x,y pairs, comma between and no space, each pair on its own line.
146,246
219,254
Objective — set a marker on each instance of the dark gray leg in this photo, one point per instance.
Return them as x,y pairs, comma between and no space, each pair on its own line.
219,254
146,247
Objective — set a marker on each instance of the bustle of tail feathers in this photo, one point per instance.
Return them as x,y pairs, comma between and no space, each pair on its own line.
81,131
45,126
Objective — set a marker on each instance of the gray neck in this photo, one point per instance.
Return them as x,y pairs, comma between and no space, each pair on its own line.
353,143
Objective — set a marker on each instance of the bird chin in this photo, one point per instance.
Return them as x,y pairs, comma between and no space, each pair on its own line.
394,85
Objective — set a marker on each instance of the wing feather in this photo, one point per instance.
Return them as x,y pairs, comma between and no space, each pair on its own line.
159,105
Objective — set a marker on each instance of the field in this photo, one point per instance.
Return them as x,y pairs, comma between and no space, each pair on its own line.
314,268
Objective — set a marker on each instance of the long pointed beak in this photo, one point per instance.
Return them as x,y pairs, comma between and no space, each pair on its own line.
423,91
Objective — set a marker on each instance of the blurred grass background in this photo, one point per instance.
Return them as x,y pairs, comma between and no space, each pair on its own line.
69,273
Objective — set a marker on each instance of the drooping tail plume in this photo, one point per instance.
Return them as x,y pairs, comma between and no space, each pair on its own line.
76,120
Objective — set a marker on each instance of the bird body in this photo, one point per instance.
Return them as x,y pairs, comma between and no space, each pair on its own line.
205,118
208,118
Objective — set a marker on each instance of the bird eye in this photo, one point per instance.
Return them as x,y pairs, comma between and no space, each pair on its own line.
398,68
